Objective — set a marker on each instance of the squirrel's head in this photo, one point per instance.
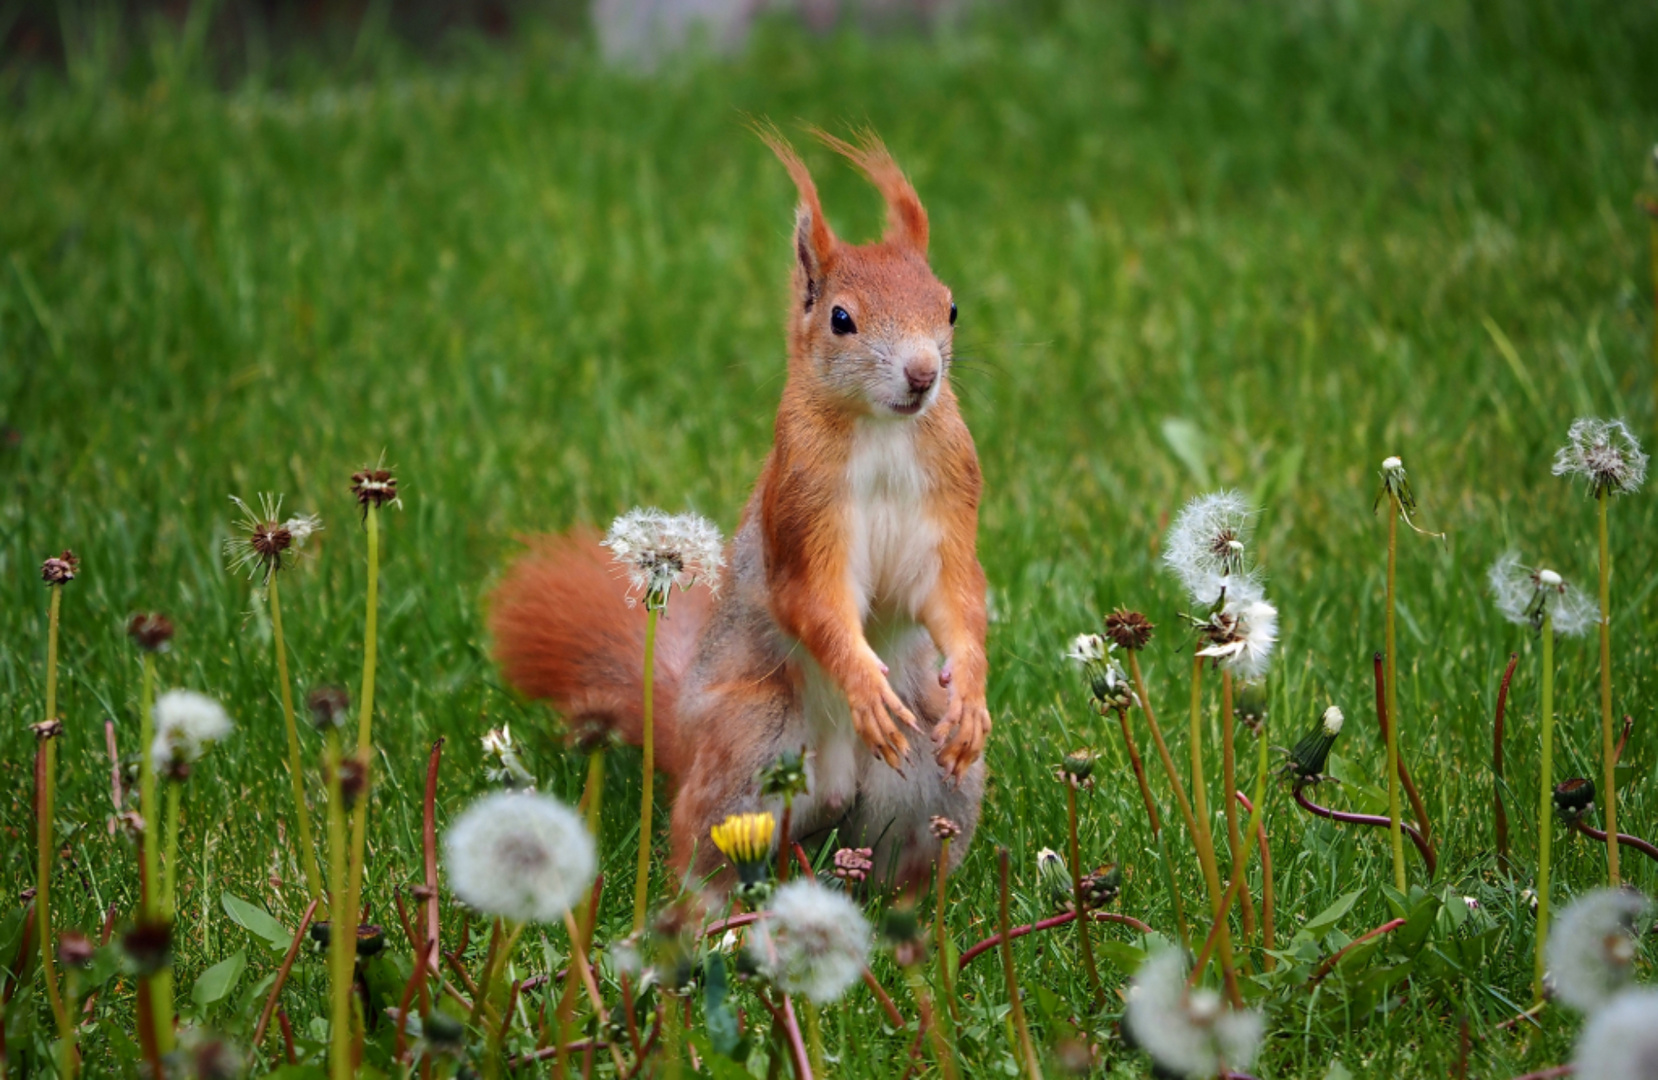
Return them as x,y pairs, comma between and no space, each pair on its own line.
870,323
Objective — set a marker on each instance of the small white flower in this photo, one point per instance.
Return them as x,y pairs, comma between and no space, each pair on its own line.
1333,718
1242,636
1620,1041
1207,548
520,855
1604,453
1088,649
1591,950
659,551
186,724
1188,1034
509,769
811,941
1524,595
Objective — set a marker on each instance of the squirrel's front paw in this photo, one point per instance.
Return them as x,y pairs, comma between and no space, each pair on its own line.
961,735
874,718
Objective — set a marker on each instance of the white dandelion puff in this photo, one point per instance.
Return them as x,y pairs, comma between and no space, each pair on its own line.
1088,649
811,941
1191,1034
508,768
520,855
1332,720
1524,596
1207,548
1591,949
659,551
1620,1041
1604,453
1241,636
186,725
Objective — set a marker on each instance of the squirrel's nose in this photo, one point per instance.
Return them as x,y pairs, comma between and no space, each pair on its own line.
921,375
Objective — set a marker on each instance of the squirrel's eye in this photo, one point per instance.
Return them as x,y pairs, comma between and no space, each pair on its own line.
840,322
952,313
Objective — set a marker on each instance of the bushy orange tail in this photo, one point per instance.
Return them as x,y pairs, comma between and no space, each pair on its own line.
564,632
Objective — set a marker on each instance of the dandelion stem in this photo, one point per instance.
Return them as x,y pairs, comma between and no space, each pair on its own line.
941,938
1235,887
1417,806
1229,785
1174,781
1083,941
924,1004
160,985
1501,812
1608,752
296,767
642,881
1205,840
341,943
1156,826
592,794
169,866
1394,832
45,790
1545,814
348,910
1027,1051
814,1036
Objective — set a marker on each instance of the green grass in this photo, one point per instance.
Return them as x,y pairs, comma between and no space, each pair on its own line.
1193,245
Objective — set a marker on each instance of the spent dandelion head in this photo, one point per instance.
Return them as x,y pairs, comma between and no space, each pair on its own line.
943,828
1574,799
1620,1041
659,551
1207,548
330,707
1129,630
1525,595
1187,1033
261,542
811,940
187,724
1053,877
60,569
1396,491
1591,949
374,488
1241,636
505,767
1105,676
785,778
746,839
1101,886
520,855
852,865
1604,453
151,631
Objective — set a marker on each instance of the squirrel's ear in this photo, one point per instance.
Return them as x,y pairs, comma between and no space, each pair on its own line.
906,217
814,242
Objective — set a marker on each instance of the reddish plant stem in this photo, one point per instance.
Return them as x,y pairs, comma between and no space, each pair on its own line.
116,795
1334,958
1417,806
282,974
91,998
1048,924
146,1031
1267,894
1624,839
783,845
546,1052
797,1045
888,1006
1623,740
401,1044
1497,762
1549,1074
287,1030
429,846
732,923
1375,820
627,1014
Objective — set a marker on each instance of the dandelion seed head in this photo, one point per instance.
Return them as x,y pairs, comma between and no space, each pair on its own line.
1242,636
811,941
1524,596
1591,948
330,707
1187,1034
186,725
1605,453
1620,1041
520,855
659,551
1207,546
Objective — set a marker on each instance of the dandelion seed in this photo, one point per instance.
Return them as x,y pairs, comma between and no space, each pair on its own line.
187,724
520,855
509,768
1620,1041
1604,453
811,941
1591,951
1207,546
1524,596
1241,636
659,551
60,569
1187,1034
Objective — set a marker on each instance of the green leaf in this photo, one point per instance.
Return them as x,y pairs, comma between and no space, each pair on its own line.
1125,958
718,1019
256,921
1331,915
1187,441
216,983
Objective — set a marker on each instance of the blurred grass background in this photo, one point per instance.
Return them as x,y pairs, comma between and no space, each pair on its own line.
1194,244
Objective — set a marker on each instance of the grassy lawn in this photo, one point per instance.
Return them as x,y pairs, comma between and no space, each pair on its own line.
1194,246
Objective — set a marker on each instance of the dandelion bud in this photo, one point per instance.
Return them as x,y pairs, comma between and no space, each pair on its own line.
443,1031
1574,799
74,950
152,632
330,707
1054,877
60,569
1077,769
746,839
591,737
1129,630
902,930
785,778
374,488
371,938
1308,757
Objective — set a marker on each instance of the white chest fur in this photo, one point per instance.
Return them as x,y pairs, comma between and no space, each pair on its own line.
892,543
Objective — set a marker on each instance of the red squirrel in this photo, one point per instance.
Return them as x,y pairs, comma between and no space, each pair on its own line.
853,568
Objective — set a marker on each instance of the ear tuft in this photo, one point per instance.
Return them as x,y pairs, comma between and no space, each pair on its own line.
814,241
906,217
